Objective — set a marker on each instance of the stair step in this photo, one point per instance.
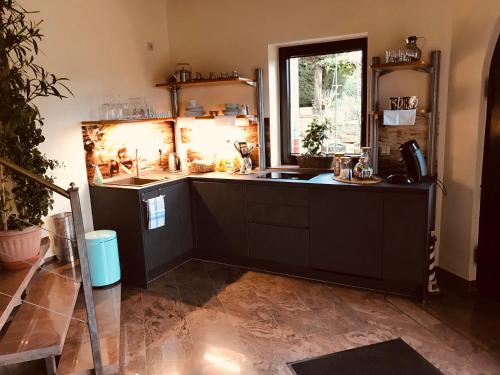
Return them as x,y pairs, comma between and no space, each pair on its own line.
39,327
76,357
13,284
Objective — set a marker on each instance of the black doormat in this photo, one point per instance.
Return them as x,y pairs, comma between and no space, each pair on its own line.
394,357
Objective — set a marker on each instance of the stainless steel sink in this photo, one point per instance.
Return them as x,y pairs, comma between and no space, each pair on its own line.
131,181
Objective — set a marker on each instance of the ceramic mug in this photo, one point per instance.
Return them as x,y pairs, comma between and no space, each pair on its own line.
395,103
410,102
413,102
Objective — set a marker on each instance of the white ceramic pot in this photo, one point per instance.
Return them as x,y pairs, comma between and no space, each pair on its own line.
19,245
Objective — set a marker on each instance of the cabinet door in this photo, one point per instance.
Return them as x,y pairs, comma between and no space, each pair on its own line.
220,217
346,231
405,237
163,244
284,245
184,208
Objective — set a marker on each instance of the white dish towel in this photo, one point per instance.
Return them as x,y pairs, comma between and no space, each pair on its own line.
400,117
156,212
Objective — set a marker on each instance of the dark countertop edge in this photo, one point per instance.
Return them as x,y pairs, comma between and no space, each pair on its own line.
323,180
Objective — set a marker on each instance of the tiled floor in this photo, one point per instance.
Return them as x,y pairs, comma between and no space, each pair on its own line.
206,318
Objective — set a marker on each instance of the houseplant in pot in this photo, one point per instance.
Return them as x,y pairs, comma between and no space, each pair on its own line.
23,204
316,134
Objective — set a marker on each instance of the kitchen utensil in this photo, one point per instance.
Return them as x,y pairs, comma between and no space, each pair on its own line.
245,150
213,113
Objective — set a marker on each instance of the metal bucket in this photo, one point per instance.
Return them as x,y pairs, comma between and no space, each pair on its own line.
64,237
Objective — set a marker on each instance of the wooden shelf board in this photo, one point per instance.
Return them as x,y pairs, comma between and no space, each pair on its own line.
211,82
407,65
420,112
136,121
14,283
127,121
212,117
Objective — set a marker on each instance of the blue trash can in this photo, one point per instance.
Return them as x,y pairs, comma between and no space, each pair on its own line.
104,262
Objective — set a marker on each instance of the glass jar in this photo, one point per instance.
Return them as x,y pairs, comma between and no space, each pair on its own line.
336,163
412,52
363,170
345,167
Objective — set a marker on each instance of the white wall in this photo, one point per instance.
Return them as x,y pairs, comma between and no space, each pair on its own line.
101,47
476,26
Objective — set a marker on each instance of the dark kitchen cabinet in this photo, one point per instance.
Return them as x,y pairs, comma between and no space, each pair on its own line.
405,237
346,231
145,254
220,218
172,240
284,245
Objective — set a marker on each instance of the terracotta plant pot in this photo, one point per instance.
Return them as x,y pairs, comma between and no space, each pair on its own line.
313,161
18,248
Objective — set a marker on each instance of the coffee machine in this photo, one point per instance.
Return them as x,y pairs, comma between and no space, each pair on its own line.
414,160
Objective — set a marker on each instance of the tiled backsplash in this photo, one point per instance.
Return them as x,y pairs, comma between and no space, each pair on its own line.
107,144
111,145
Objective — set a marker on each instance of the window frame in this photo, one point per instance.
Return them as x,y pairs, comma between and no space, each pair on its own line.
303,50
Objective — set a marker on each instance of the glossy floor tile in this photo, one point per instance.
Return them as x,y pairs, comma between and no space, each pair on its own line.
207,318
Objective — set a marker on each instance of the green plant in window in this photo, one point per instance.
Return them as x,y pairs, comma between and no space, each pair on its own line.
22,82
316,134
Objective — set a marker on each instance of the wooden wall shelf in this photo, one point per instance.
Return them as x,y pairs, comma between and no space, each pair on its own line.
127,121
420,112
211,82
409,65
145,120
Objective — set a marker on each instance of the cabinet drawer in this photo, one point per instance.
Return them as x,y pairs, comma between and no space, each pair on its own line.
291,216
277,195
279,244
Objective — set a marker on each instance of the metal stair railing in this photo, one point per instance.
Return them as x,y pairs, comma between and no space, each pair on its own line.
74,198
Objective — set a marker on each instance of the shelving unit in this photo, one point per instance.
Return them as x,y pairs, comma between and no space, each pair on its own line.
257,83
432,68
147,119
211,82
126,121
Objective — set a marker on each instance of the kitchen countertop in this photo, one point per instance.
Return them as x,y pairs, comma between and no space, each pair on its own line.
322,180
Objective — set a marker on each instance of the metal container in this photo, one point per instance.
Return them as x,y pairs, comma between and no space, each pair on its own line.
64,237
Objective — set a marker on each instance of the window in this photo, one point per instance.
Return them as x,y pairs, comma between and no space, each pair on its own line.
324,81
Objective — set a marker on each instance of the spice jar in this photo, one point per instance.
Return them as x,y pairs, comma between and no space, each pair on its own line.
336,163
345,167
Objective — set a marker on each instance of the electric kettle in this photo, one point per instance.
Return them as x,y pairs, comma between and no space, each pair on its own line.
183,73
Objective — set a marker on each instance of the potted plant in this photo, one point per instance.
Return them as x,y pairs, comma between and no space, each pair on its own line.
316,134
23,204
